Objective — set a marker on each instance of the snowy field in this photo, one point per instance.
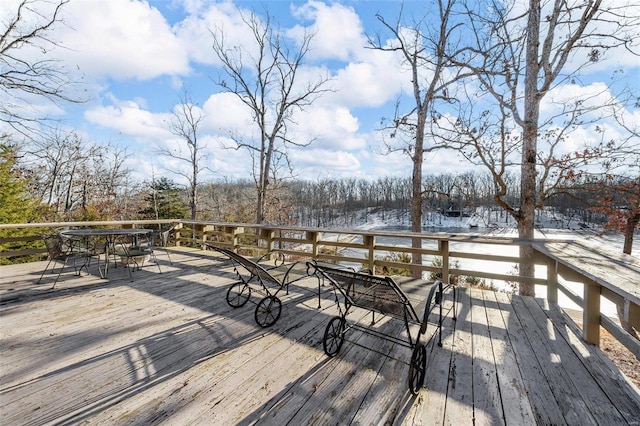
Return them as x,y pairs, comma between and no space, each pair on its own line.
548,225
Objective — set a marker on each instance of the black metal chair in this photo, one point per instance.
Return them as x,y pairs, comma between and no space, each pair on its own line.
135,254
160,240
63,249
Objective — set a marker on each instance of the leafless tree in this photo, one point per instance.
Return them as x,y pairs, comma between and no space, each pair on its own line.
73,176
519,53
26,66
185,124
268,82
425,49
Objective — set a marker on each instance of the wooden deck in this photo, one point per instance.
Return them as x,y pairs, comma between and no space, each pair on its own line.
167,349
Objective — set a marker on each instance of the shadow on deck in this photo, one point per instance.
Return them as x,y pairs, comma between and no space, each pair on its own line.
167,348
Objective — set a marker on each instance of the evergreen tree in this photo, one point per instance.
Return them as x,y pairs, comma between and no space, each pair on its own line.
15,203
164,201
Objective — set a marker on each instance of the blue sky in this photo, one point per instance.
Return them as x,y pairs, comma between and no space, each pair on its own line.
133,57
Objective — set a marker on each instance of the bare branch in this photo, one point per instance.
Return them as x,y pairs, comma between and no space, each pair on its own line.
267,82
22,76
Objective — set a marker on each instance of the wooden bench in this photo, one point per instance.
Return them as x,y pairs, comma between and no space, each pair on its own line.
383,295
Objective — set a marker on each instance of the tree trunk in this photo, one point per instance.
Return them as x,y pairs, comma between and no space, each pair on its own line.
629,229
526,215
416,196
194,201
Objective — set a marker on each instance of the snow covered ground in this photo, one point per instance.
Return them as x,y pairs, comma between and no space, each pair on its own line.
548,225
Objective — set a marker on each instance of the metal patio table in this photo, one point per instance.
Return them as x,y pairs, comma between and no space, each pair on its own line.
112,236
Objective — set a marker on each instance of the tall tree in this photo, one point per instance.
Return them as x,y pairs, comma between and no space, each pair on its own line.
185,124
266,78
16,206
26,66
621,204
424,48
606,177
75,178
527,52
15,203
163,201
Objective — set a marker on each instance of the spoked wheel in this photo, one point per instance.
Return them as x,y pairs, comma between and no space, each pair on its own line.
417,368
268,311
238,294
333,336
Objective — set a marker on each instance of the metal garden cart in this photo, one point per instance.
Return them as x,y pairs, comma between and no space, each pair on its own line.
384,296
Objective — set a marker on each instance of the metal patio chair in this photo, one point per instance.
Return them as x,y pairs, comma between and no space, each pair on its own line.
61,249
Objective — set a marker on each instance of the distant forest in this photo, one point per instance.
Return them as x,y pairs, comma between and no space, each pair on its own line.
100,188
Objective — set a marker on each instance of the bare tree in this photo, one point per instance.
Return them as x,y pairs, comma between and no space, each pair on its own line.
74,178
185,124
424,48
606,177
268,83
26,68
519,55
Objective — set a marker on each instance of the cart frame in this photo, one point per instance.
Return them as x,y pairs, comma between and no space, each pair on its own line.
267,280
383,295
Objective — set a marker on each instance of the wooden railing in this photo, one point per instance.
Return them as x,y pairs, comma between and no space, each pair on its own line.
484,260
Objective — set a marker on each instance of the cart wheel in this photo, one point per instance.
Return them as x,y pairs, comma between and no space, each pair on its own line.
268,311
238,294
333,336
417,368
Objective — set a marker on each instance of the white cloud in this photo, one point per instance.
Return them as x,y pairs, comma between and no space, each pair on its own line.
369,84
330,128
121,39
128,118
319,162
195,31
337,30
225,113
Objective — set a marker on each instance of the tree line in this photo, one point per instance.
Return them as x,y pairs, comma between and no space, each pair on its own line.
67,180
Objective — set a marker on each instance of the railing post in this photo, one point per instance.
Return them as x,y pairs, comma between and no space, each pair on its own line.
205,237
591,313
370,245
552,281
267,235
233,232
312,237
176,233
198,229
632,314
443,247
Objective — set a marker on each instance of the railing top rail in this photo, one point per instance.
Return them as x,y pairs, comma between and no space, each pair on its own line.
90,223
443,236
616,271
436,236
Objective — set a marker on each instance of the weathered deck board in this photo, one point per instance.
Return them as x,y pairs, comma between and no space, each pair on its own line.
620,391
486,393
459,404
432,404
563,388
516,406
536,387
600,407
167,349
